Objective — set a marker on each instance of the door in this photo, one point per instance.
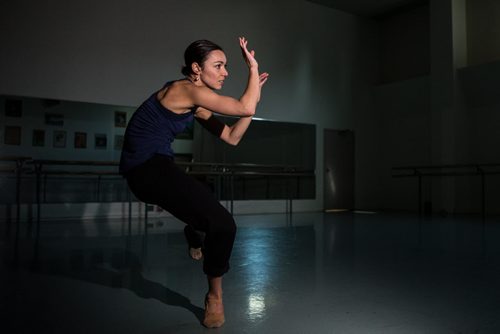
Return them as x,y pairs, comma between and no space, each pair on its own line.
339,170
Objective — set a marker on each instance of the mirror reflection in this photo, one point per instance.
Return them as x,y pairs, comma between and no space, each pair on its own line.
80,144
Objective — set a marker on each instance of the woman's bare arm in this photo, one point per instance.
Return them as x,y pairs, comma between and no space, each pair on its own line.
243,107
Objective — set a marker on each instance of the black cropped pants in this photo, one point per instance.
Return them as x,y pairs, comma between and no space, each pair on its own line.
159,181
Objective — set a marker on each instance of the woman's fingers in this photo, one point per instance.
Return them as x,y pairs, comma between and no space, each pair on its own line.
248,55
243,43
263,78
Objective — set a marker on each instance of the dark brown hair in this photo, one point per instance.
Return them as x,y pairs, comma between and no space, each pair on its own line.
197,52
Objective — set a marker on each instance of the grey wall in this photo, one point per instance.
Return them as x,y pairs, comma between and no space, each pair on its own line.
117,52
404,44
326,69
447,116
483,31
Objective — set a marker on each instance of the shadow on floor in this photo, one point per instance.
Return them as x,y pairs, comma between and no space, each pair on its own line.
124,272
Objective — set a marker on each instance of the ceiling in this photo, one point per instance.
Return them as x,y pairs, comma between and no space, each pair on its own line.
370,8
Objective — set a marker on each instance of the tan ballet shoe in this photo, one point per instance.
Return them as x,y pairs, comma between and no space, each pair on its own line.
214,313
195,253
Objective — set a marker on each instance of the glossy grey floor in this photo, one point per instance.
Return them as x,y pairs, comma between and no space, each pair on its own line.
315,273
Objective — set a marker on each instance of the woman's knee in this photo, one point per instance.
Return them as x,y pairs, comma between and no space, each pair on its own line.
225,225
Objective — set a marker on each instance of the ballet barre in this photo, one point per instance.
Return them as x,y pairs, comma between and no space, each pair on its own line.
449,170
99,169
17,170
232,171
43,168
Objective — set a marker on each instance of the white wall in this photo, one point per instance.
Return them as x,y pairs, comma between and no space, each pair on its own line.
324,65
117,52
403,108
405,44
480,84
447,117
405,126
483,31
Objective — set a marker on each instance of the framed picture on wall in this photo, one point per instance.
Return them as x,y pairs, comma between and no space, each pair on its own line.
54,119
119,142
59,140
80,140
12,135
101,141
120,119
13,108
39,138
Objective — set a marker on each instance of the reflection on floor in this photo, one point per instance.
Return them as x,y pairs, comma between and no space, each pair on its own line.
316,273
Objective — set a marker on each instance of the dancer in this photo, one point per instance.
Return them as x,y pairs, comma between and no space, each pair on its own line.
147,156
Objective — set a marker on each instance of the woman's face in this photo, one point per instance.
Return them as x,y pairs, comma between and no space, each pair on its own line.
214,72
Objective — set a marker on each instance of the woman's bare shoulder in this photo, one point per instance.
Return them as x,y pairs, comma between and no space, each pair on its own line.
176,96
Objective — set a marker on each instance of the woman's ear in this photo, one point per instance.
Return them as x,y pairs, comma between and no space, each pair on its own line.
196,68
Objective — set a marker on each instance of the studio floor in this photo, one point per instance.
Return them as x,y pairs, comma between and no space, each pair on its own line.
314,273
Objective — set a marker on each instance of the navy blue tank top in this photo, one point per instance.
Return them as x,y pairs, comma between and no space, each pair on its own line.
151,131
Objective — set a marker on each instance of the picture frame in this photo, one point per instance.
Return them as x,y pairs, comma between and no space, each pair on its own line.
120,119
59,139
38,138
12,135
101,141
80,140
13,108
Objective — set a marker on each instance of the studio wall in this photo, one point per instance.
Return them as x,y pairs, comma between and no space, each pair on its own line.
328,68
118,53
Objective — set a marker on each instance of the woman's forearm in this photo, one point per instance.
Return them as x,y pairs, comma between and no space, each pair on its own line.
238,129
251,96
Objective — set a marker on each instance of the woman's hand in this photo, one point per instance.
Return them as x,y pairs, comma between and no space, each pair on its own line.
249,56
263,78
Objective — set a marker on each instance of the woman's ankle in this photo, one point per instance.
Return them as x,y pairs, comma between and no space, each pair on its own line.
216,296
214,287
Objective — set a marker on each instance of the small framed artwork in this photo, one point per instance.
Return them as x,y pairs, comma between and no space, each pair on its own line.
120,119
13,108
59,139
39,138
101,141
12,135
80,140
119,142
54,119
